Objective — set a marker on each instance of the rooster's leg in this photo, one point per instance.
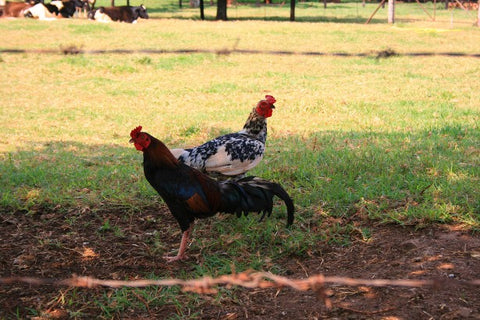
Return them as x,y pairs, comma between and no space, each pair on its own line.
183,246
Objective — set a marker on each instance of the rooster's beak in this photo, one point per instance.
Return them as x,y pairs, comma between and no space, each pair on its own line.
273,107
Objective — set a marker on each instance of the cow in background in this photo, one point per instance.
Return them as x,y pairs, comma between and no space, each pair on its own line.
123,13
41,12
15,9
69,8
99,15
61,9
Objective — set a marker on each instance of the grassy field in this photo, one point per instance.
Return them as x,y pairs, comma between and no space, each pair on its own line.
311,11
391,140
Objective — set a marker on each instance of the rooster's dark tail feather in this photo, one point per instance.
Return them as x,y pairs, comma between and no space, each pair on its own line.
253,194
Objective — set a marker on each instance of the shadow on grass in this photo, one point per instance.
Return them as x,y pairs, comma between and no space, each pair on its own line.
68,174
351,17
177,15
394,177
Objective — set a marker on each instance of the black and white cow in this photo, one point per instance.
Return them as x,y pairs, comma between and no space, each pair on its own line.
41,12
55,9
123,13
68,8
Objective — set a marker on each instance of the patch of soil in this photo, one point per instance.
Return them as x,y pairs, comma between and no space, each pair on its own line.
110,246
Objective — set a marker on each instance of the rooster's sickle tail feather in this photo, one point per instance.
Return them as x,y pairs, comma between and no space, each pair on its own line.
253,194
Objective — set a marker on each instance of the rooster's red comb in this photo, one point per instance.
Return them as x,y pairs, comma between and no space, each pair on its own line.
270,99
135,132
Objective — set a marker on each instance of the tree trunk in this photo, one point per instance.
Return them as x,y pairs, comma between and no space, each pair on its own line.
222,10
292,10
202,11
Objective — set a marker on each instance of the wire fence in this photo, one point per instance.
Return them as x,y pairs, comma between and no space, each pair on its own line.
249,280
73,50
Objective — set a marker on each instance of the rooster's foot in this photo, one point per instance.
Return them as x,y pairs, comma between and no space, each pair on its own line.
175,258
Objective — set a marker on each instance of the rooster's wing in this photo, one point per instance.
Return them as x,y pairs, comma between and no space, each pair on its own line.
229,155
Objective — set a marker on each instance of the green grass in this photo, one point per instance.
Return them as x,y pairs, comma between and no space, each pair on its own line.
386,140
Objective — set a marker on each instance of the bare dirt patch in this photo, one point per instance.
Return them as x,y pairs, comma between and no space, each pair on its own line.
107,246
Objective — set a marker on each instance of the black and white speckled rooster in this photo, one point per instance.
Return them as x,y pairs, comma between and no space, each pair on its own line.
233,154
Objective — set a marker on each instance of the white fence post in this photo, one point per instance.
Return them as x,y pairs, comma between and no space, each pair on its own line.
391,11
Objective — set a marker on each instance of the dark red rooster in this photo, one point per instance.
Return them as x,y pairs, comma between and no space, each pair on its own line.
233,154
190,194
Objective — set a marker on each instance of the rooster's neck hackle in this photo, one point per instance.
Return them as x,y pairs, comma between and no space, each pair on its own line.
159,155
256,126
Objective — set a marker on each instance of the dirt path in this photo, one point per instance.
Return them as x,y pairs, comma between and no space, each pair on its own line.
28,247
